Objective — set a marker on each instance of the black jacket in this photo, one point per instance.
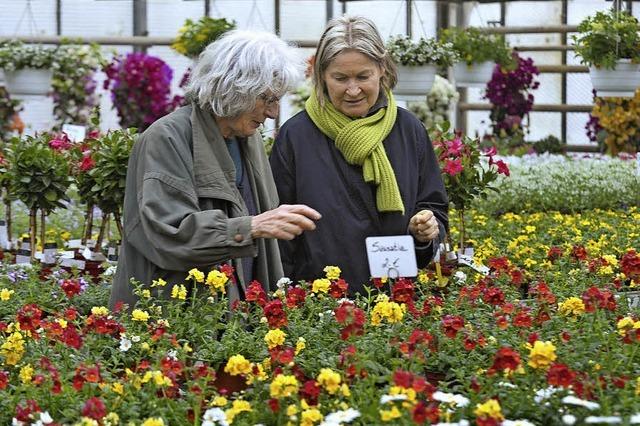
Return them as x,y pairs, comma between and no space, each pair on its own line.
309,169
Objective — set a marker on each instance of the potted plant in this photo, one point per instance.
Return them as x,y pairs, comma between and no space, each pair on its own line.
195,36
479,53
108,171
27,69
465,173
140,87
609,44
39,176
417,63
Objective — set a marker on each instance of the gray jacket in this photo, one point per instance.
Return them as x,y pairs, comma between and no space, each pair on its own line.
182,208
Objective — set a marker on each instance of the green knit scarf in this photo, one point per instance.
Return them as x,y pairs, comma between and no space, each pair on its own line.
360,142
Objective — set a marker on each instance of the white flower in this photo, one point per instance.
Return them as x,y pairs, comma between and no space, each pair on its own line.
172,354
572,400
635,419
451,398
214,416
111,270
610,420
283,283
460,277
507,385
568,419
135,339
384,399
543,394
45,418
339,417
125,344
517,423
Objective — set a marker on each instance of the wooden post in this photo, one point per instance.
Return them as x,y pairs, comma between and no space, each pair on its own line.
103,227
86,235
43,218
32,232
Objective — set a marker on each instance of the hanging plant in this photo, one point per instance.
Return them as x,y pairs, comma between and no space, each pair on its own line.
39,176
140,89
194,36
110,156
74,86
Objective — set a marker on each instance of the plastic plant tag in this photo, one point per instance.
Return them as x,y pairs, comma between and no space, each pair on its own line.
76,133
391,256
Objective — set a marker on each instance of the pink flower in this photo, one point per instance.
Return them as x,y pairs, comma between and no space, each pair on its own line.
502,167
60,143
453,167
87,163
454,147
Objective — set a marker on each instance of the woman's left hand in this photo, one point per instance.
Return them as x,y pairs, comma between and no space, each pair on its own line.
424,226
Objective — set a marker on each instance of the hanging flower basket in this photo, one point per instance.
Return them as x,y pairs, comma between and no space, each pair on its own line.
414,82
622,81
475,75
28,81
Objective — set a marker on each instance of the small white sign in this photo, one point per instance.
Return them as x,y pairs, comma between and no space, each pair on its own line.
73,244
23,256
4,236
464,259
392,256
72,263
88,254
76,133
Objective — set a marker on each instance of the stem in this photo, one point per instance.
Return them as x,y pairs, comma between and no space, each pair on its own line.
118,220
32,232
86,235
461,215
7,213
103,226
43,219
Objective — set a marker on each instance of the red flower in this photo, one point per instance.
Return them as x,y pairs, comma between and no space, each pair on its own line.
423,412
338,288
71,287
523,319
255,293
87,163
71,337
630,265
276,316
402,291
502,167
595,298
578,252
29,317
274,405
60,143
296,297
24,414
505,359
94,408
560,375
554,253
452,324
493,296
353,319
4,379
310,391
280,355
452,167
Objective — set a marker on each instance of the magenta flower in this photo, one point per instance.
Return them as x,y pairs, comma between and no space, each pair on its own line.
452,167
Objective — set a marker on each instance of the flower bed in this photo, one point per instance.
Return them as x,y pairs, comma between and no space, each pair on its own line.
304,355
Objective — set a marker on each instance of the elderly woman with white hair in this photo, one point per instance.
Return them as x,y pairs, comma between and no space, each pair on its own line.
199,190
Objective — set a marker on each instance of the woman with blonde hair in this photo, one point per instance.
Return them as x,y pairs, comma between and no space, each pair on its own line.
365,164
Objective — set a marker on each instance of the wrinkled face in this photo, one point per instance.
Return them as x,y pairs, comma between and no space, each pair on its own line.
247,123
353,83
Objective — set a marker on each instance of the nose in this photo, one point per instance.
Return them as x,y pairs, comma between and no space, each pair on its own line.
353,89
272,111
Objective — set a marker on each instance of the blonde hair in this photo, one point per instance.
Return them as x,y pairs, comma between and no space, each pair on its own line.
355,33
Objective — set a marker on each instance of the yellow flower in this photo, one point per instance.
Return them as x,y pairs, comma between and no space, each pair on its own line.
310,417
391,311
638,386
118,388
13,348
330,380
158,283
140,315
300,345
26,374
292,410
237,407
389,415
179,292
146,293
5,294
625,324
153,421
491,408
399,390
196,275
100,311
541,354
283,386
237,365
62,322
321,285
111,419
219,401
274,338
216,280
344,389
423,278
573,306
333,272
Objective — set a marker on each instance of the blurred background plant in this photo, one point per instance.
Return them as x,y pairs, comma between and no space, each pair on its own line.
194,36
436,107
615,124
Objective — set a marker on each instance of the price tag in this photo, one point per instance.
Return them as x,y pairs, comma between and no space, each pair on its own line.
464,259
88,254
73,244
4,236
72,263
76,133
23,256
392,256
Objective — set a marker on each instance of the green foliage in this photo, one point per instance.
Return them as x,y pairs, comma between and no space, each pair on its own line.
550,144
111,156
405,51
15,55
475,46
606,37
194,36
39,175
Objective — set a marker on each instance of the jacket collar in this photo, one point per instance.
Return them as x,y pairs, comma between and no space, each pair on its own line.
214,170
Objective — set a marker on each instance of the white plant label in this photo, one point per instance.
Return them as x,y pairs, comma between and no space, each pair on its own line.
76,133
391,256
